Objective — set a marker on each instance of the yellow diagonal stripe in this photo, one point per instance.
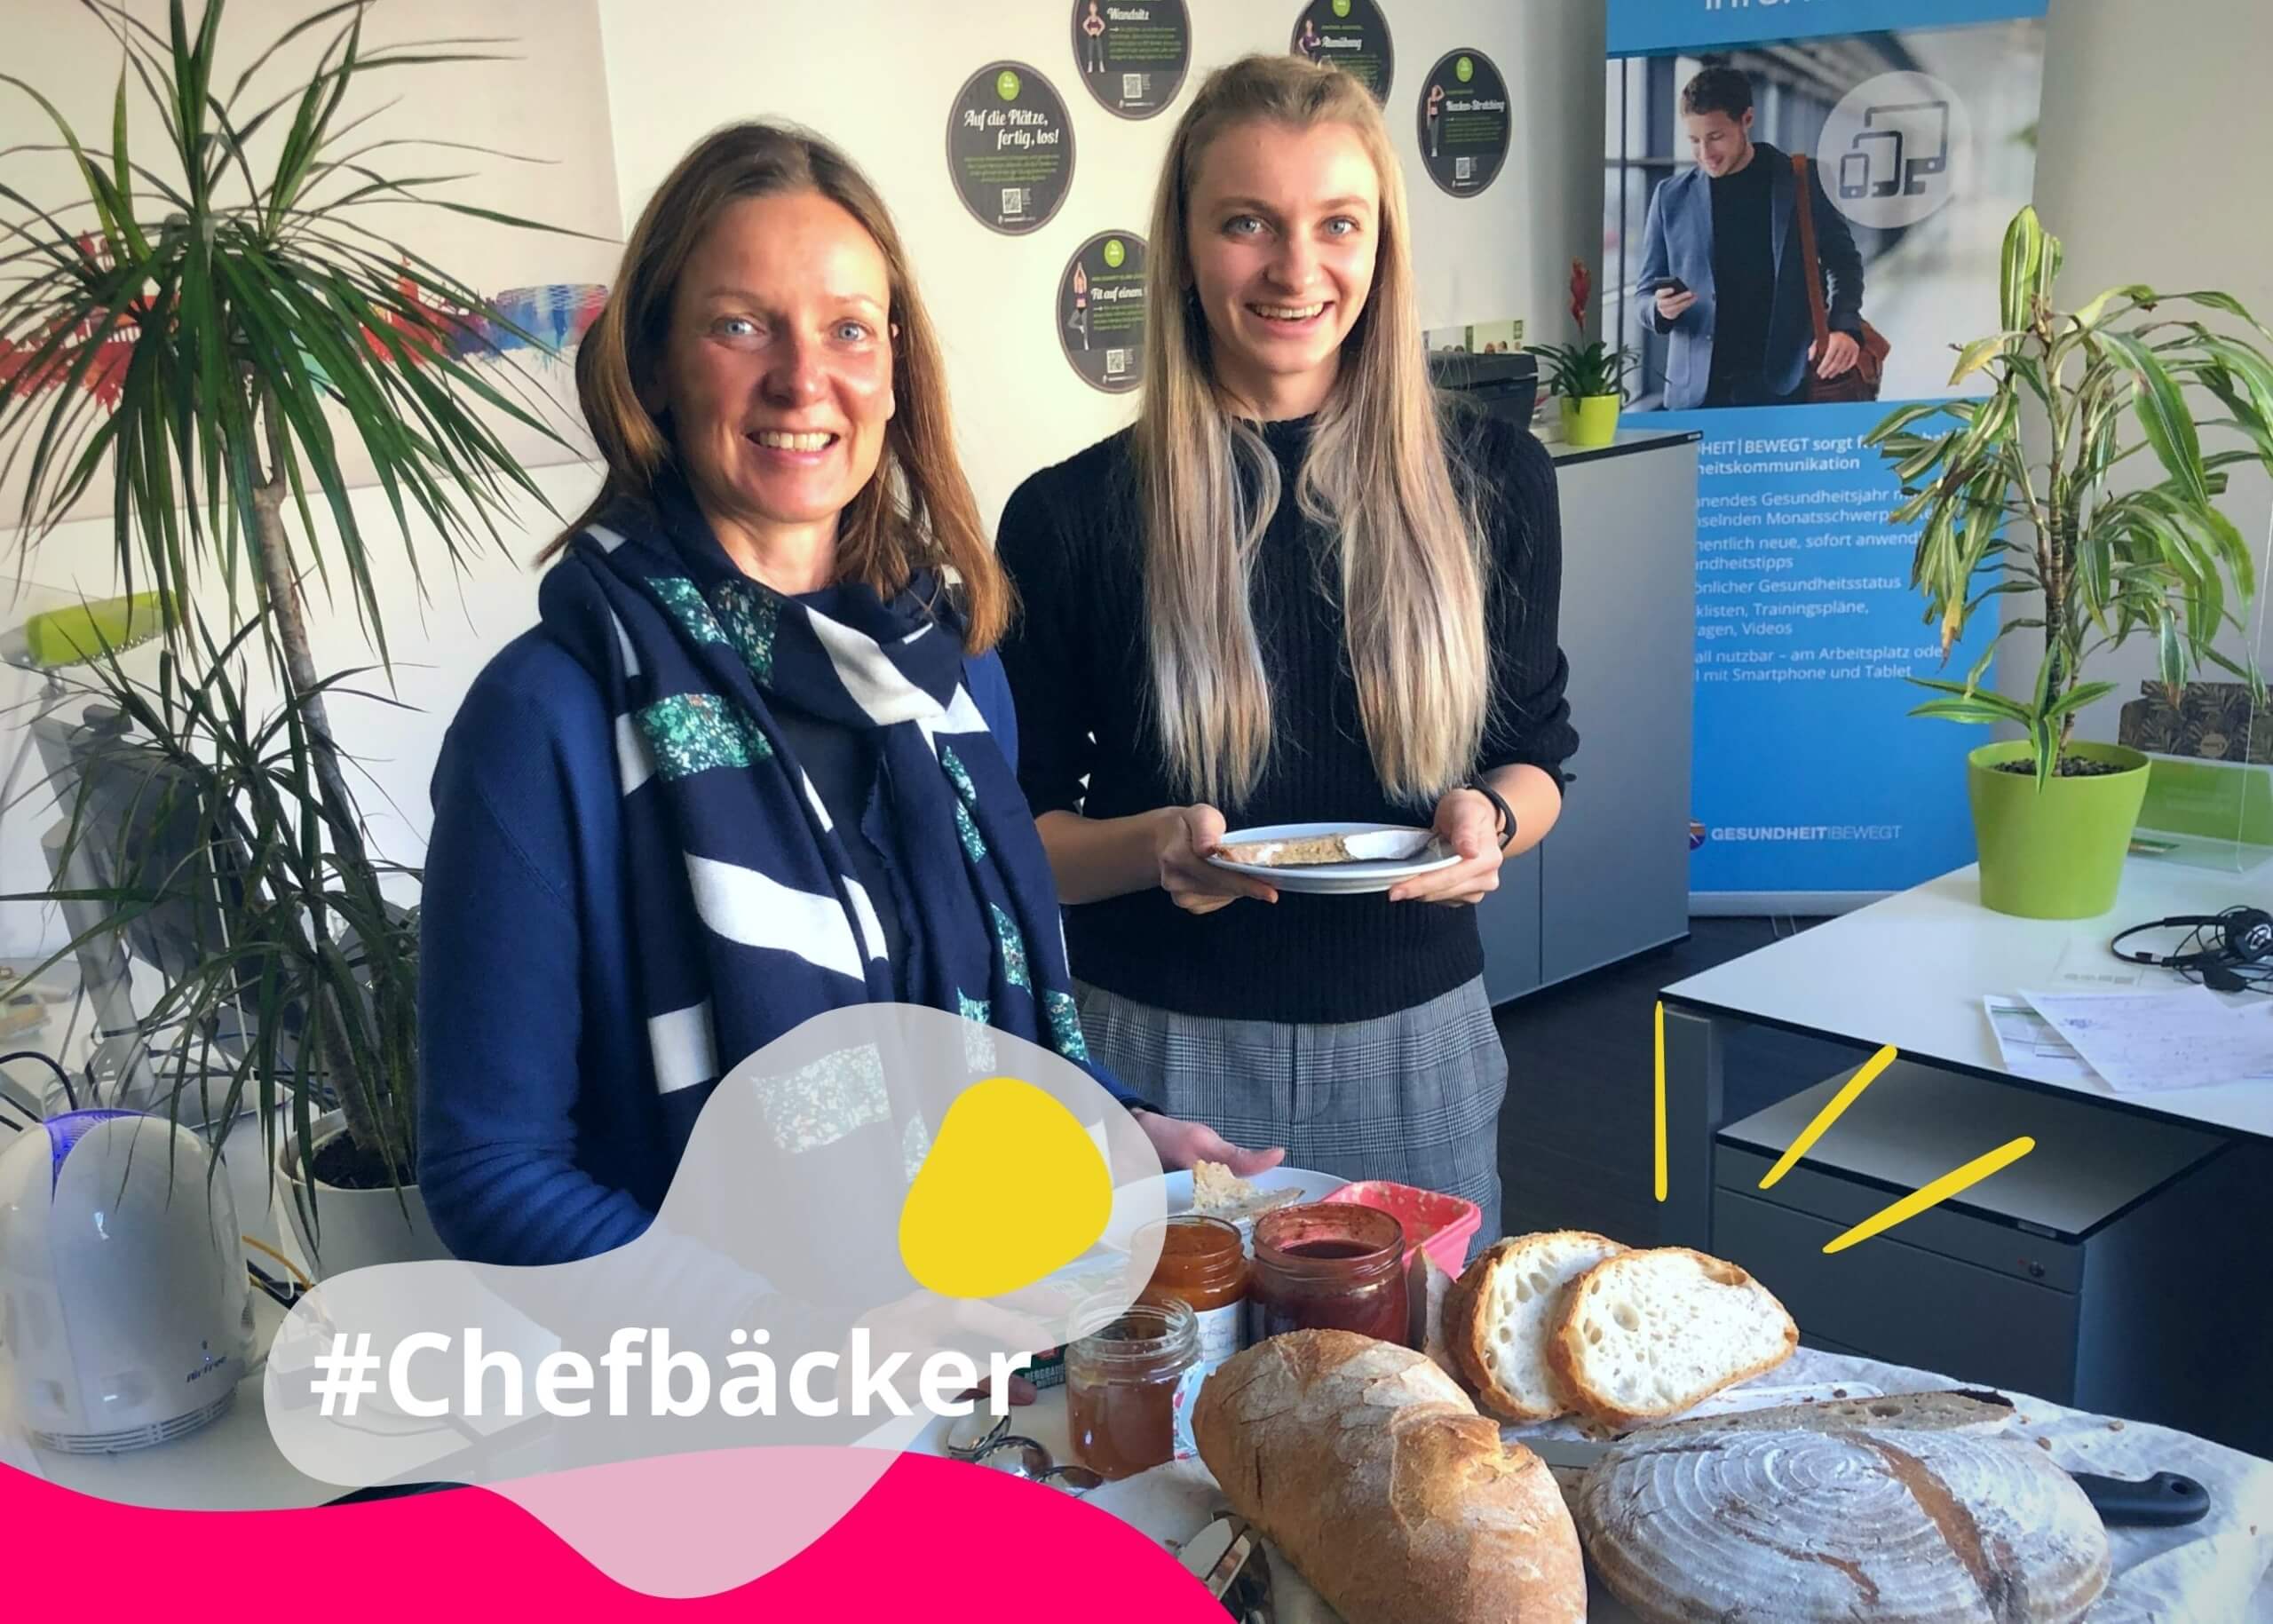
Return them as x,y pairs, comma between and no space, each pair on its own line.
1830,1114
1947,1185
1661,1101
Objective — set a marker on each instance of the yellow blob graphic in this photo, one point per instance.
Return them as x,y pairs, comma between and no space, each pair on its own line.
1014,1189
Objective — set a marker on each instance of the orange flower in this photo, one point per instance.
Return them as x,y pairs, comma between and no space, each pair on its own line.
1582,285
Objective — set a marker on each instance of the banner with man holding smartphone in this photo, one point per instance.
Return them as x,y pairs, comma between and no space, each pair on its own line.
1803,222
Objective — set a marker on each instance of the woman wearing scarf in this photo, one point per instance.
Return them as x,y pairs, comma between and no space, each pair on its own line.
756,763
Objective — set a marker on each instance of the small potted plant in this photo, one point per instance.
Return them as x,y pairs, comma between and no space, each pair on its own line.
1588,378
2100,558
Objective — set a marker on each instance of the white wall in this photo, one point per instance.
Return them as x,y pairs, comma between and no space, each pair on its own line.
2155,122
877,76
548,101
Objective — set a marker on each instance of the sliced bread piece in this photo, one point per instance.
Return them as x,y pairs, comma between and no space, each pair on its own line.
1427,1289
1219,1193
1646,1335
1507,1304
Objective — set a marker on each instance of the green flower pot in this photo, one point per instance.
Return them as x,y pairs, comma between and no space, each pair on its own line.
1589,420
2057,854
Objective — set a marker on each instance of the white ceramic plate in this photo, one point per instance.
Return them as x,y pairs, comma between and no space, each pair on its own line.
1176,1189
1335,877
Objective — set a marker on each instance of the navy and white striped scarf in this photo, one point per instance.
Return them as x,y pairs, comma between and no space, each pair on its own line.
748,917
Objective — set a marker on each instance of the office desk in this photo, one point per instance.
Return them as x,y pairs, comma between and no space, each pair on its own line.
231,1464
1912,970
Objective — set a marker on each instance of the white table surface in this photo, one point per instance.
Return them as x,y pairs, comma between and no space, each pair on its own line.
2215,1569
1912,970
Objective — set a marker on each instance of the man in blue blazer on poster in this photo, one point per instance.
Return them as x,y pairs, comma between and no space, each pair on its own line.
1722,271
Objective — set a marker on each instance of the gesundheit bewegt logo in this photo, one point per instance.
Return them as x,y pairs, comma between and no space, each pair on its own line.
1695,834
873,1214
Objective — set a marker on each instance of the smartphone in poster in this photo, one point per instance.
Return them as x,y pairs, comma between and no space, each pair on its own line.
1101,312
1802,224
1010,148
1132,54
1353,35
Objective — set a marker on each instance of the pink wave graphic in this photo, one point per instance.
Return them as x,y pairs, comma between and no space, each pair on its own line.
934,1540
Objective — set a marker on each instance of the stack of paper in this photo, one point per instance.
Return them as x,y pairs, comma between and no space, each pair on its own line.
2137,1043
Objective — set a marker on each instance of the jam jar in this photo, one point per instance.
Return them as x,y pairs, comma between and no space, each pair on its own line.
1129,1383
1329,1266
1203,1261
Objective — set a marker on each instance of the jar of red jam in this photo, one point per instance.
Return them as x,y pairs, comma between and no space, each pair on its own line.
1128,1382
1203,1263
1329,1266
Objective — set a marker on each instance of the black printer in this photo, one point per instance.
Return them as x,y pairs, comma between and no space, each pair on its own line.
1505,384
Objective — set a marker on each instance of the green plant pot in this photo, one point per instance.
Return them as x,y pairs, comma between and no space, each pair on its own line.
2057,854
1589,420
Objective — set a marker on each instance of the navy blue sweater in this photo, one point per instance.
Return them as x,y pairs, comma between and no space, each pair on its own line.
540,1134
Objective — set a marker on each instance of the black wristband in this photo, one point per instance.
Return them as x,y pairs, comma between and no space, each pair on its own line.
1507,812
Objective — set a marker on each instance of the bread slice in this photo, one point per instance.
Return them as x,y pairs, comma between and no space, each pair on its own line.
1507,1304
1646,1335
1298,852
1220,1193
1428,1290
1286,854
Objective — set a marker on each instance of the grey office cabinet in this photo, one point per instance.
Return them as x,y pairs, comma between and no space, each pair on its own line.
1612,879
2101,1271
1509,919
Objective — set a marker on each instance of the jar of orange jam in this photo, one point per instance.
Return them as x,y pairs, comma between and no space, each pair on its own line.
1203,1263
1126,1382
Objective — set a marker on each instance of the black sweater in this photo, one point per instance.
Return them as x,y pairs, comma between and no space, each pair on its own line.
1080,676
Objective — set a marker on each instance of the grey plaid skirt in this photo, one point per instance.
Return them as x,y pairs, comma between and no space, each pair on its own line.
1413,1097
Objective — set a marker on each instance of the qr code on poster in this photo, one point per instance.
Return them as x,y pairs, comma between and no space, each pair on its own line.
1116,363
1014,199
1132,87
1463,169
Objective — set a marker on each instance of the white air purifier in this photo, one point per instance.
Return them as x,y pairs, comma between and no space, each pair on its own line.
125,1312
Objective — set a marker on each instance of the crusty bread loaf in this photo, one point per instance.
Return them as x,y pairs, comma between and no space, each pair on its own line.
1867,1527
1368,1469
1507,1307
1646,1335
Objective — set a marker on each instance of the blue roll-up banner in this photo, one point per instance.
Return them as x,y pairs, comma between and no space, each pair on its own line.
1812,785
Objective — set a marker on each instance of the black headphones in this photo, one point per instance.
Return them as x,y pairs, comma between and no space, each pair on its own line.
2231,952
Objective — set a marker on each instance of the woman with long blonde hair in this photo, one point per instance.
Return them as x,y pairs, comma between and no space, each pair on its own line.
1298,589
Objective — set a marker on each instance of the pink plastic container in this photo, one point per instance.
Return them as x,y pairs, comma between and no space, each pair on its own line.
1441,1226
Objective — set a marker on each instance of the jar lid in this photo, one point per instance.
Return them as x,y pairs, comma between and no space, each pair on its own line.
1346,1235
1162,1329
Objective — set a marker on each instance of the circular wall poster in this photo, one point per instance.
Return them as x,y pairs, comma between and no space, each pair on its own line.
1101,311
1351,34
1009,148
1132,53
1463,123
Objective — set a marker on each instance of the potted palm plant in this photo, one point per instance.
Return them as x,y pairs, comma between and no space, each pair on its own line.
208,326
1588,379
2025,492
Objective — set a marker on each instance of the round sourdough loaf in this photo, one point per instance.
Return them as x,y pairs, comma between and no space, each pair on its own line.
1372,1472
1863,1527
